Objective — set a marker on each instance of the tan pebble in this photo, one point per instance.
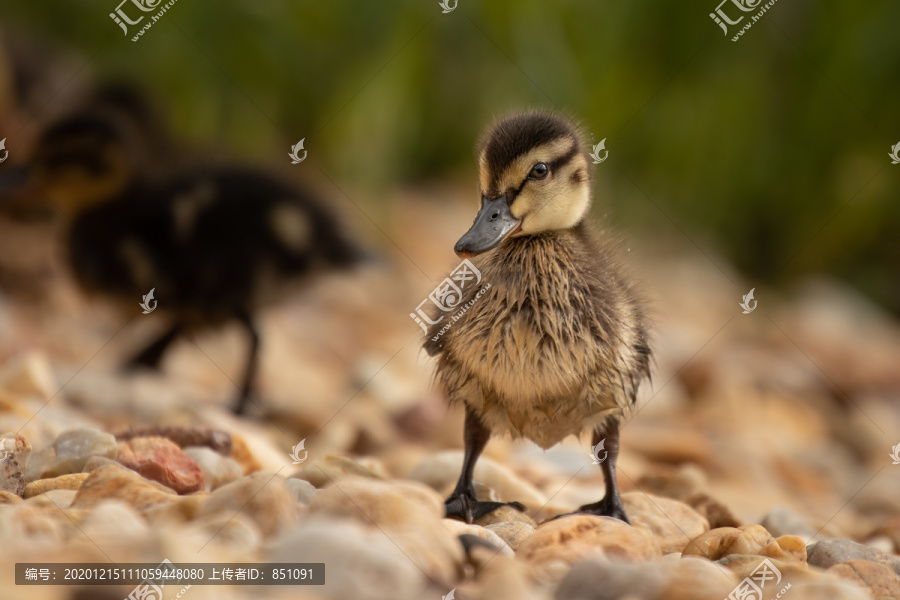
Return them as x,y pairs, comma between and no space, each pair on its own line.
459,528
241,454
112,482
9,497
880,580
794,547
560,543
330,468
671,522
71,481
262,497
513,533
57,498
15,451
748,539
505,514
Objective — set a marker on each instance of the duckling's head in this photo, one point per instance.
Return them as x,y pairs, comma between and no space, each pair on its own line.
533,178
82,160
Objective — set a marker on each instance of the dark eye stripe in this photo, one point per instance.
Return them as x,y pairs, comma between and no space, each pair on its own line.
564,159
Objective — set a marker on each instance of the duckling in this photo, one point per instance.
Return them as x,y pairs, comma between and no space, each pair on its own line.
556,340
215,243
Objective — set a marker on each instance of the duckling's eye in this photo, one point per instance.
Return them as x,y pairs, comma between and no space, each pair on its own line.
539,171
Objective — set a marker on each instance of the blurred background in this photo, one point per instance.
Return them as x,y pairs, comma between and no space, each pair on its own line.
761,163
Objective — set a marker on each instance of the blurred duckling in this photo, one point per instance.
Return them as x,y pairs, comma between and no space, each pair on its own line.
558,342
213,243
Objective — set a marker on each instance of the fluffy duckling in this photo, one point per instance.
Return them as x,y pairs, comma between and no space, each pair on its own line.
214,243
557,344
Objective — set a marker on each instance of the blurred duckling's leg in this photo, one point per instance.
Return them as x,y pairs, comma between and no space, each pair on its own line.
252,361
462,503
151,356
611,504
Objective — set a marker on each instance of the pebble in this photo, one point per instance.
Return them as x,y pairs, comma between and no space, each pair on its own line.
458,528
262,497
716,513
217,469
827,553
511,532
747,540
71,481
115,520
557,544
74,447
57,498
184,436
14,454
380,569
29,376
688,579
324,471
781,520
161,460
409,513
671,522
302,490
881,581
113,482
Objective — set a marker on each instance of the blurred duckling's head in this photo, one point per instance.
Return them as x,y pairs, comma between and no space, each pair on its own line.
82,160
533,178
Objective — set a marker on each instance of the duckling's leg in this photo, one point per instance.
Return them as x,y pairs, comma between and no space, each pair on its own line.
611,504
252,361
151,356
462,503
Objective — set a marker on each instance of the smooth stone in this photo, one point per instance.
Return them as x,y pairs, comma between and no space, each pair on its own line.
458,528
784,521
744,565
409,513
560,543
40,463
74,447
95,462
262,497
441,471
880,580
331,468
161,460
375,568
679,483
688,579
113,482
511,532
30,376
14,454
58,498
828,590
671,522
505,514
217,469
827,553
302,490
745,540
115,520
9,497
72,481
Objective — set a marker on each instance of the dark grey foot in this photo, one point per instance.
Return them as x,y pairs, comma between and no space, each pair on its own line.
148,359
241,404
608,507
468,509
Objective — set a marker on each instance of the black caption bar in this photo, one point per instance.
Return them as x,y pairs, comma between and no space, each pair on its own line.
157,576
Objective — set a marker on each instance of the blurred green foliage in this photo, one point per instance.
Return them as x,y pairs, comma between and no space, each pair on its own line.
771,150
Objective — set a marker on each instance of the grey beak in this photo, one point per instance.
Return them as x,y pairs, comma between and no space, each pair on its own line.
492,224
